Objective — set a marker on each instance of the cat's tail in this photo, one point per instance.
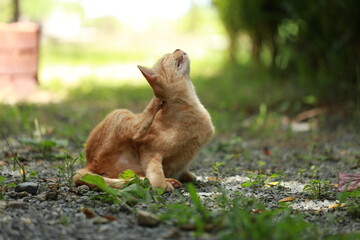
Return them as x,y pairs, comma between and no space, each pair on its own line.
111,182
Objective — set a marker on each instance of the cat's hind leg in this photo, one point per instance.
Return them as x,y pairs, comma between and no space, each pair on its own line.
111,182
117,183
146,118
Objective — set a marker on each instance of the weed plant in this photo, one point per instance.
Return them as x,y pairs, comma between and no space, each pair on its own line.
17,164
66,171
318,189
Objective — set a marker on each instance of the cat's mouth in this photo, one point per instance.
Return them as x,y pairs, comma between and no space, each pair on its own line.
180,60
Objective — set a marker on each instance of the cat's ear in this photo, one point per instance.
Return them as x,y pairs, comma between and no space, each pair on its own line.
148,74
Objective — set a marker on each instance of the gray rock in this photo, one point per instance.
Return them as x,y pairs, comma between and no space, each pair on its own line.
29,187
147,219
82,189
22,194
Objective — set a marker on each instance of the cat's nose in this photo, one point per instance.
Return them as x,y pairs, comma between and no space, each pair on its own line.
184,53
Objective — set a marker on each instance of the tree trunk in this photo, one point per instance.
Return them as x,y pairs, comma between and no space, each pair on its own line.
16,11
232,56
256,45
232,48
274,51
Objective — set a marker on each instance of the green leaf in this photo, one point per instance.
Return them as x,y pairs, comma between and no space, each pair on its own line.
134,190
94,179
100,183
354,194
145,183
251,176
159,191
45,144
2,179
137,190
135,180
261,163
247,184
32,173
48,144
178,213
127,174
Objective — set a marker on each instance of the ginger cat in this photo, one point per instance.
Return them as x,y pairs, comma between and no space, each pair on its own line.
158,143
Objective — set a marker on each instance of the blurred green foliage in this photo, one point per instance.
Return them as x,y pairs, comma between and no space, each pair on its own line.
36,10
6,10
304,54
313,44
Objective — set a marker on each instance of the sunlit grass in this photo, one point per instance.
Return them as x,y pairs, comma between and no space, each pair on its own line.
66,66
89,54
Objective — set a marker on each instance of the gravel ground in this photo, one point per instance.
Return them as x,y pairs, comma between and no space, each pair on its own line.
54,211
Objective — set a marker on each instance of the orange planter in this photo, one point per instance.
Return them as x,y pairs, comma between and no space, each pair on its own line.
19,54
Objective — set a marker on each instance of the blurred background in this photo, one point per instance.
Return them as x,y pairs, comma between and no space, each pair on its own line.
256,65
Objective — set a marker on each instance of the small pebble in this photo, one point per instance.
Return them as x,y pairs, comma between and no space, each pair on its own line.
51,195
174,233
99,220
26,220
147,219
81,201
104,228
82,189
17,195
17,205
22,194
2,205
53,186
12,194
41,197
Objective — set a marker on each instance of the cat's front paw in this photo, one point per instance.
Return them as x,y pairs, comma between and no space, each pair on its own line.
169,187
175,183
169,184
159,104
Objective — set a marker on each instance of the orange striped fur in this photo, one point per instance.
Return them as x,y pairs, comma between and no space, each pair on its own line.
158,143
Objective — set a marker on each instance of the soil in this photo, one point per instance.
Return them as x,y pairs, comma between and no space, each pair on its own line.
54,210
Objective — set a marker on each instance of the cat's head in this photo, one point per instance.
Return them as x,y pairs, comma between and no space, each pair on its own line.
171,69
